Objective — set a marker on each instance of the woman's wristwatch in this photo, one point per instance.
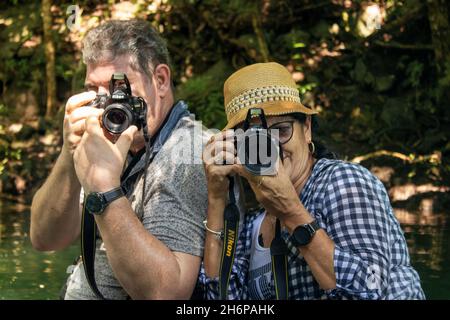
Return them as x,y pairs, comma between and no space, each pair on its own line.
304,233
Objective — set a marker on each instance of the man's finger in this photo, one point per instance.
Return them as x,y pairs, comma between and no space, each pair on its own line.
79,127
83,113
79,100
93,126
125,139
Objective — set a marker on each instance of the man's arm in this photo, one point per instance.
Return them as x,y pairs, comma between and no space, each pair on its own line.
144,266
55,210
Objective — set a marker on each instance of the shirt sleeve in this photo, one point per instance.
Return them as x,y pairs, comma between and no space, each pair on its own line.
237,289
357,211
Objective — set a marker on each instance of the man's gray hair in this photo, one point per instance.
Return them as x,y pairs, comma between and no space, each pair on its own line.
116,38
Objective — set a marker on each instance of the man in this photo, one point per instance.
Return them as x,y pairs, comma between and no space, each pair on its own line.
154,253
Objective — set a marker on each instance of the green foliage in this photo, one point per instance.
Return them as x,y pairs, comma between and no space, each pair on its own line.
375,89
205,96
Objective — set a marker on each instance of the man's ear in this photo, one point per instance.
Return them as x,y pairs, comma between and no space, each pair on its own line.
162,78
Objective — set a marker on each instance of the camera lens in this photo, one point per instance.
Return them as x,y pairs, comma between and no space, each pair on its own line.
117,118
258,151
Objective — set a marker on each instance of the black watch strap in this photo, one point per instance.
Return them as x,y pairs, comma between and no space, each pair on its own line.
314,226
304,233
112,195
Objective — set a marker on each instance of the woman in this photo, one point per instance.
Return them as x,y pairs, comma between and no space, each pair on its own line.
342,237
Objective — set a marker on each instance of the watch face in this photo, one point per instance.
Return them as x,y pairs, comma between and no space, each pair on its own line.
302,235
94,203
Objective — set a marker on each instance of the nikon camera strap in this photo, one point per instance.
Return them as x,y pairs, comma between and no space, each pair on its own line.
278,250
231,234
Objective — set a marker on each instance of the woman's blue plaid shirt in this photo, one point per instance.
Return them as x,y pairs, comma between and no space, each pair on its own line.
371,259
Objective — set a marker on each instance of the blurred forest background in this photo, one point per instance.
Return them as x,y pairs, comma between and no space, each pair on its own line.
378,72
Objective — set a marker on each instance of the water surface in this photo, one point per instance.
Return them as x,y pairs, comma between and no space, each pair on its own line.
28,274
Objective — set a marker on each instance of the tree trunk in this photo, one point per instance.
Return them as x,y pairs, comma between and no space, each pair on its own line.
264,51
438,16
49,49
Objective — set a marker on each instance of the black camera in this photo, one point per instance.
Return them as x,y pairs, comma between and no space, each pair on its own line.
257,148
122,109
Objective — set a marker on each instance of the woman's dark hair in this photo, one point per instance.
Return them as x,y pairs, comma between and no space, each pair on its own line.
321,151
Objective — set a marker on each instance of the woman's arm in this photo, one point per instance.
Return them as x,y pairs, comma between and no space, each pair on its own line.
351,257
217,150
318,253
213,245
210,269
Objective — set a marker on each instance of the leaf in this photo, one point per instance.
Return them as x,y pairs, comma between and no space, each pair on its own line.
360,71
384,83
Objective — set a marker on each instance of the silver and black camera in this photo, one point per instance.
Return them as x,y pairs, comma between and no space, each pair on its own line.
257,148
122,109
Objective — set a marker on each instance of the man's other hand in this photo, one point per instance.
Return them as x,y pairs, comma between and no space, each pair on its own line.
75,117
98,161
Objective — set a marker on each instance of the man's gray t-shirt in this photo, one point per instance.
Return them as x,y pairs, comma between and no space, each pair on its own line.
175,203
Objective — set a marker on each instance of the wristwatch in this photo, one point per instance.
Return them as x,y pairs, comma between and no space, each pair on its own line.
304,233
96,202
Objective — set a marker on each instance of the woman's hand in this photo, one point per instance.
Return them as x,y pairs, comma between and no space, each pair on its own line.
219,150
276,193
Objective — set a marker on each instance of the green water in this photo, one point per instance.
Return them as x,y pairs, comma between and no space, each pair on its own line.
24,272
29,274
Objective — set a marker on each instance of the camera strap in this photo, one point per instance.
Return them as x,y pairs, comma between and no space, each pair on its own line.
88,247
231,234
278,250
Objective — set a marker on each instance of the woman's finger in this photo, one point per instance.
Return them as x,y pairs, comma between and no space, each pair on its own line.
224,158
221,158
221,171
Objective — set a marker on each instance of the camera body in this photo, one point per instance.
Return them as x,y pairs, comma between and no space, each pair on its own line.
122,109
257,148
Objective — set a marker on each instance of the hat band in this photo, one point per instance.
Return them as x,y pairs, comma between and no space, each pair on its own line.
259,95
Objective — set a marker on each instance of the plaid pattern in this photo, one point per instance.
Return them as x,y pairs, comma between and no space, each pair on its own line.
371,259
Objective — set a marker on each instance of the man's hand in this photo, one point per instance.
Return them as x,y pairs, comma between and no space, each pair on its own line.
98,161
75,119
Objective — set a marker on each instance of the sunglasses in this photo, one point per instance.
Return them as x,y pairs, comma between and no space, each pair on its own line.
285,130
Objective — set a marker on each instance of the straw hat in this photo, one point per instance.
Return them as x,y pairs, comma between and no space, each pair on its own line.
264,85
